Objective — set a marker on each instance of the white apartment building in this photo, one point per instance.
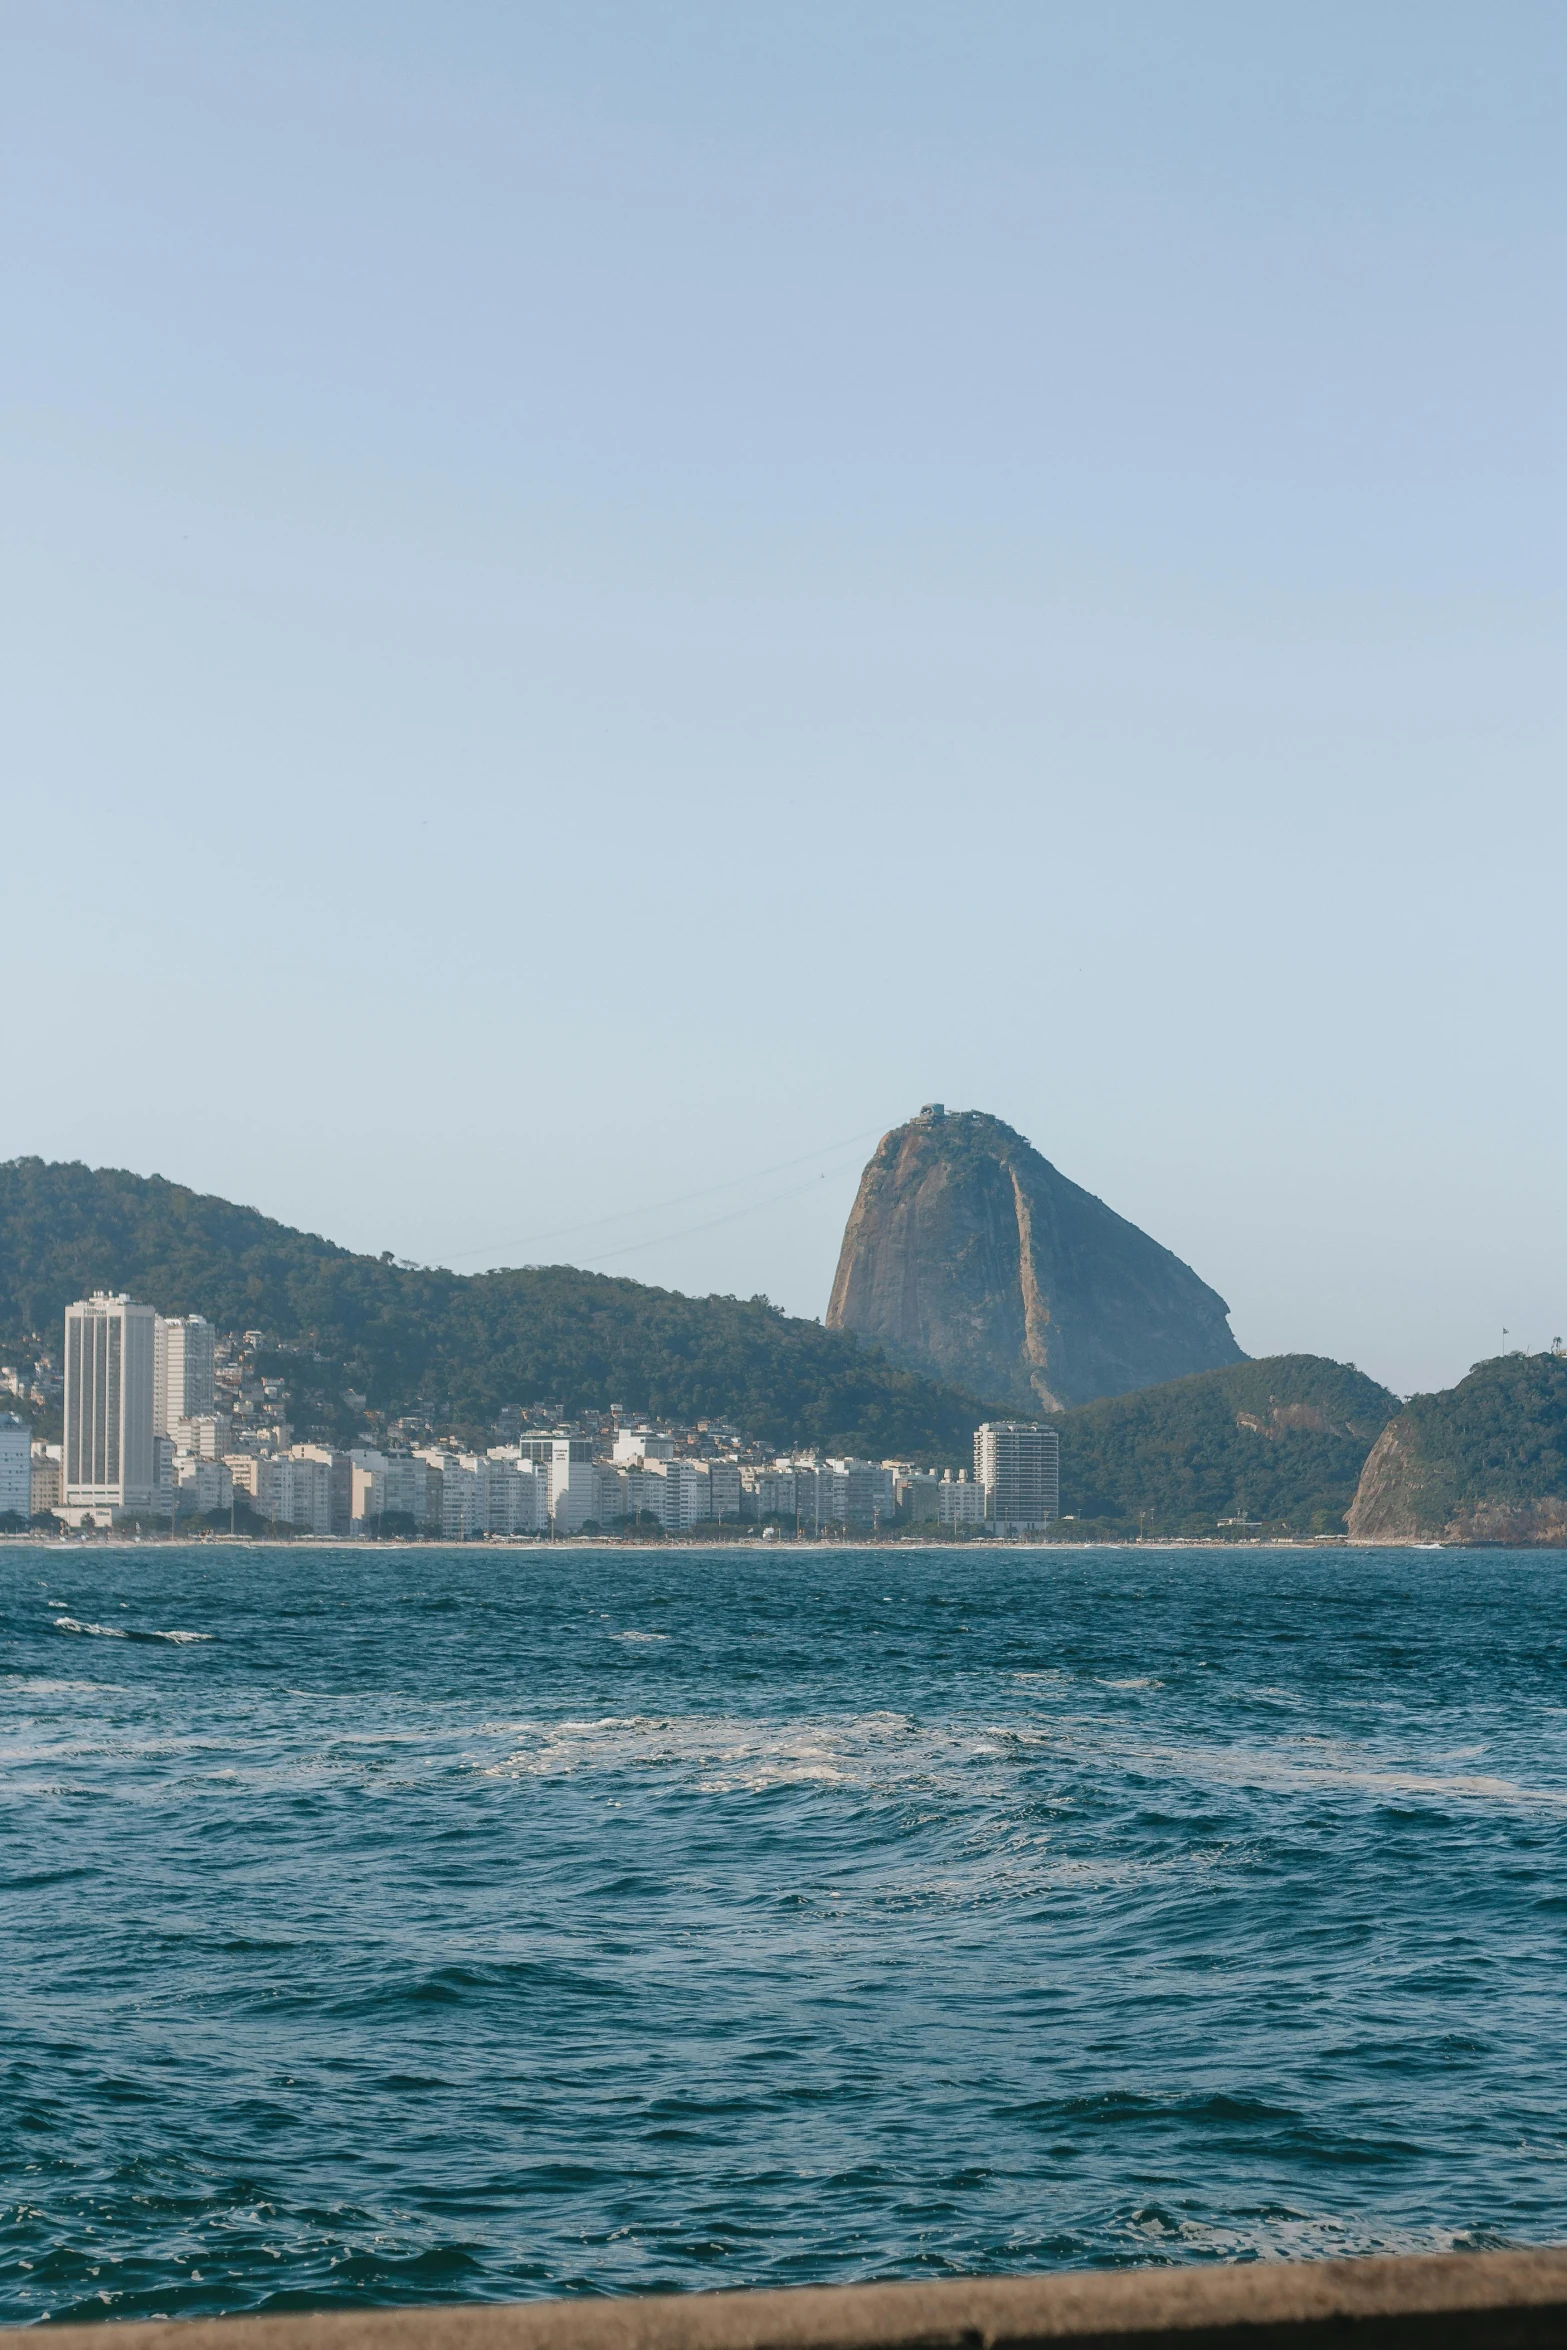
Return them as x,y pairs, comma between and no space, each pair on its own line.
724,1487
796,1493
208,1435
183,1368
295,1490
629,1494
811,1495
687,1493
110,1467
16,1467
388,1484
484,1496
611,1503
1017,1466
856,1495
244,1470
633,1446
365,1501
679,1494
917,1495
769,1493
516,1499
463,1496
391,1485
200,1486
163,1458
568,1464
476,1493
342,1481
960,1502
404,1488
626,1493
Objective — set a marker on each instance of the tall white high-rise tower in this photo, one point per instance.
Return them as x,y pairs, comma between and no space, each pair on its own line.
183,1370
1018,1466
109,1462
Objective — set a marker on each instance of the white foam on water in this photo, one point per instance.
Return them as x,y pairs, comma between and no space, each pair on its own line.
1251,1766
1292,2236
725,1753
888,1754
124,1632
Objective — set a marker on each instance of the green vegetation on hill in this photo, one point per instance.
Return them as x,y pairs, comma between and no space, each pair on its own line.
1281,1441
455,1349
1485,1461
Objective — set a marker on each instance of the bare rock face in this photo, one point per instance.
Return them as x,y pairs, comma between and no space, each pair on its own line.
1393,1502
969,1257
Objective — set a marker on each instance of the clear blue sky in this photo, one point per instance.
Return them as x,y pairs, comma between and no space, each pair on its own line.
600,598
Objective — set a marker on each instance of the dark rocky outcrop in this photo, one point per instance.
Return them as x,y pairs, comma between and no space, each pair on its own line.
1485,1461
969,1258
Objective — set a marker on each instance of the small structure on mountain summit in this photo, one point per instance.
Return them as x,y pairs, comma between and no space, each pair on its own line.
969,1257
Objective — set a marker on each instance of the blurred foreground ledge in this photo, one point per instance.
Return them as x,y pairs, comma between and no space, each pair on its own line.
1480,2299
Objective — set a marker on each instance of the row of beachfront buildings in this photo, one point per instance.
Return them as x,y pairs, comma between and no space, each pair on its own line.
147,1437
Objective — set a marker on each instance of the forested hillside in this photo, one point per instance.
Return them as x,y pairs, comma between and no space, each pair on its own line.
457,1348
1281,1441
1485,1461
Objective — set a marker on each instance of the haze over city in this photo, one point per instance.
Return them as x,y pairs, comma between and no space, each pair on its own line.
603,601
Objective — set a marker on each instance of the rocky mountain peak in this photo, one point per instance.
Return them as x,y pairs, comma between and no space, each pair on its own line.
969,1256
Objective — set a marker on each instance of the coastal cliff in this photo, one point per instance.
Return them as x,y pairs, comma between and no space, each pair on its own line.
1485,1461
971,1259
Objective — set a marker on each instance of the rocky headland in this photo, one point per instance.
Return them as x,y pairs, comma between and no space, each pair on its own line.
1485,1461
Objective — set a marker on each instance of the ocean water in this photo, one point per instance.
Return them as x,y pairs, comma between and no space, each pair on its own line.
408,1926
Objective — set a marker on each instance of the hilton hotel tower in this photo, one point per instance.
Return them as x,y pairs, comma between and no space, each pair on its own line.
109,1461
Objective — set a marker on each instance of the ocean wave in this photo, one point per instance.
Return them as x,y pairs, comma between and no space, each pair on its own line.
890,1754
127,1632
723,1753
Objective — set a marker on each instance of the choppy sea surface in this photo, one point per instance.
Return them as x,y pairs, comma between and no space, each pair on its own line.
386,1926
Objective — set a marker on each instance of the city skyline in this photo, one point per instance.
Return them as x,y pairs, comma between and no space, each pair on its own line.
164,1423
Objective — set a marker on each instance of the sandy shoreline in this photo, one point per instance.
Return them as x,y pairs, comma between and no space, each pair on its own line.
577,1545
